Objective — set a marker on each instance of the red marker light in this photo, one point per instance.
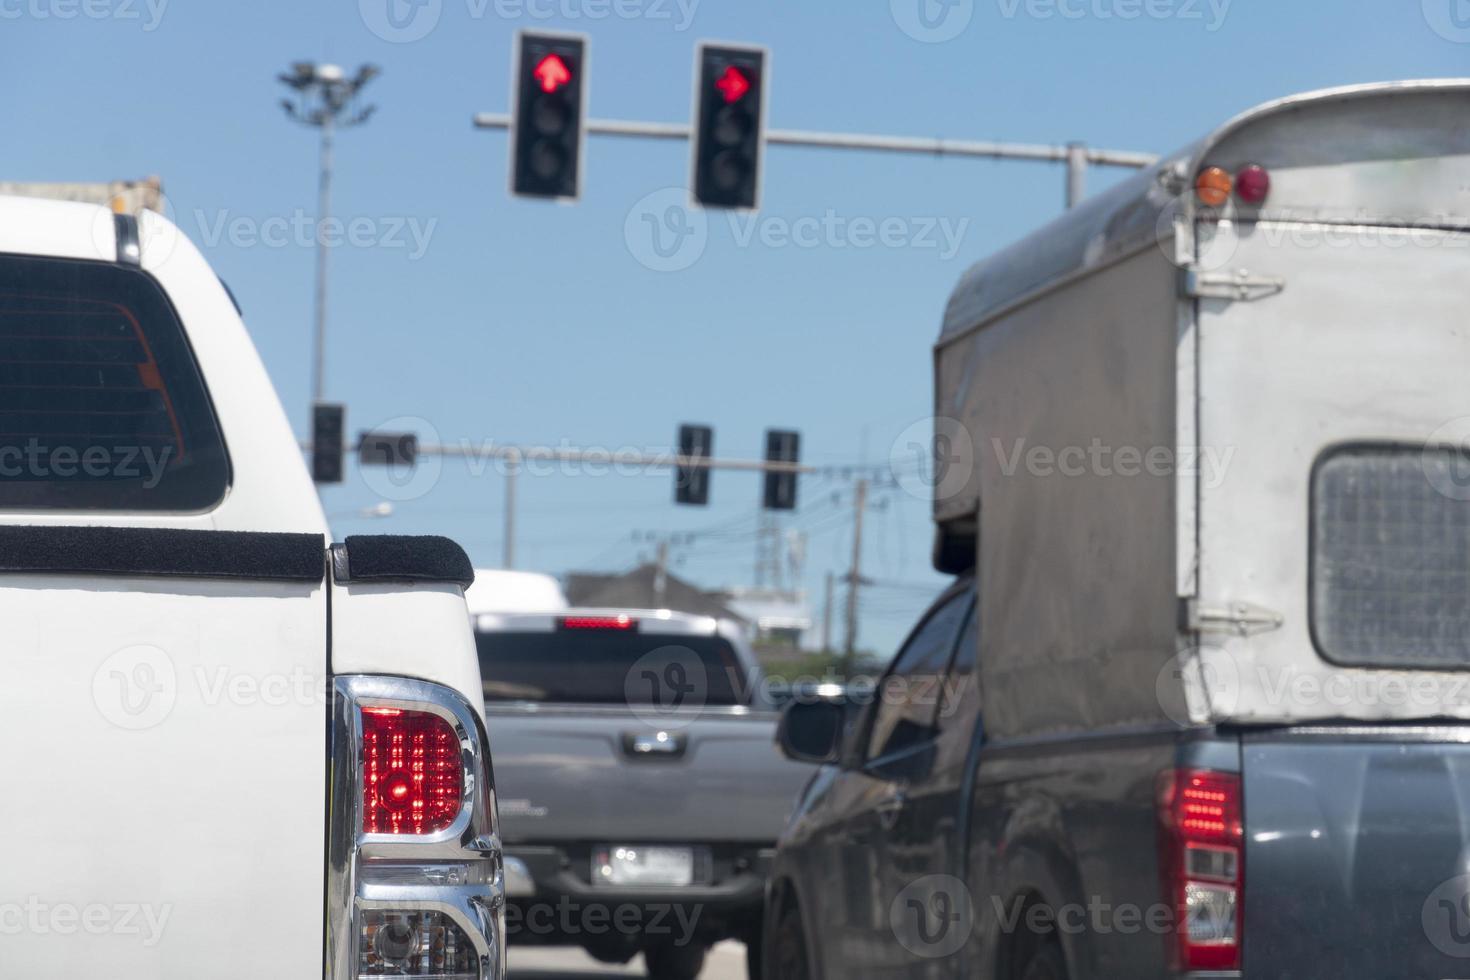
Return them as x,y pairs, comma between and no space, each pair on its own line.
552,73
1253,184
733,84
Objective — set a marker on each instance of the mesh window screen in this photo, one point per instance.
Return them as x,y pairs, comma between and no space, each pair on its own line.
1391,556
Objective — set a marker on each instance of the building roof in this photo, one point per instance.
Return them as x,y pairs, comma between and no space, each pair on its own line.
641,589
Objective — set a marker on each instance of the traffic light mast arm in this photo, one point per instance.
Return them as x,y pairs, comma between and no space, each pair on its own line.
621,457
925,146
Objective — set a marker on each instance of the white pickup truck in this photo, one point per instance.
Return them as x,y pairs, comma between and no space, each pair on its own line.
230,747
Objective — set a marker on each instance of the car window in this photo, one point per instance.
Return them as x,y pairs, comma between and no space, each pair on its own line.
101,404
961,680
609,667
908,697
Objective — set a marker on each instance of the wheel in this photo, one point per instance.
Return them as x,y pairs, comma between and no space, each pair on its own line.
785,954
606,949
671,961
754,950
1047,963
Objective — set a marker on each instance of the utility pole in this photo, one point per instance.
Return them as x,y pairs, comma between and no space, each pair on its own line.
323,94
827,617
661,575
854,576
768,552
512,466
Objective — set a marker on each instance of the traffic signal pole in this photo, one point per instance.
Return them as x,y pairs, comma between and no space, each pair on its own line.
1076,156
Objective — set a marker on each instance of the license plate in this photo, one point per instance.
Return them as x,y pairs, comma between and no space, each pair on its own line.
632,864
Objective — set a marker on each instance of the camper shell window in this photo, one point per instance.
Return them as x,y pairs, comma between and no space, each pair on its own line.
1391,556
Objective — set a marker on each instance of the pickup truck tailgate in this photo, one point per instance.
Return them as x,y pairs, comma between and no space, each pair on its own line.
577,773
1357,853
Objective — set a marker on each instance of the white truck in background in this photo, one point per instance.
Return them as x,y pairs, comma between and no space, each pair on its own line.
234,748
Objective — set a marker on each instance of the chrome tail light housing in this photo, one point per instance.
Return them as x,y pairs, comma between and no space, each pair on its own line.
415,883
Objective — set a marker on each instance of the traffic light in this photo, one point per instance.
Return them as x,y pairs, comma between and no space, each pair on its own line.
780,491
691,483
729,125
547,130
387,449
328,420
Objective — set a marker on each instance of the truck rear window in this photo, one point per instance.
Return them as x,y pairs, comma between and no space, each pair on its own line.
101,403
1391,556
607,667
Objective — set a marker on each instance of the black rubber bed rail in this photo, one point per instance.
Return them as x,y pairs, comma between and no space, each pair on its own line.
168,551
401,558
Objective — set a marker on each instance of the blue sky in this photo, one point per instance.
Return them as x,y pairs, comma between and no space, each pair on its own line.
486,317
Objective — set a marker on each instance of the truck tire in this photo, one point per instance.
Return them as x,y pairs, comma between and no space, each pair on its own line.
1046,963
786,956
672,961
754,952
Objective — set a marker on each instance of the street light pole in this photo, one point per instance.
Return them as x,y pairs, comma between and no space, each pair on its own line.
323,210
324,96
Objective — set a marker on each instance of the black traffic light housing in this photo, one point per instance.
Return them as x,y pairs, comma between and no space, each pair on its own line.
780,489
548,128
729,125
691,483
387,449
328,420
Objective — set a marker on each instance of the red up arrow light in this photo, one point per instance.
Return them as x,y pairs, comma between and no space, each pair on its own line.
552,73
733,84
547,127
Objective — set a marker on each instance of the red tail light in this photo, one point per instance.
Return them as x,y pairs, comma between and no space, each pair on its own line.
599,623
1203,864
412,774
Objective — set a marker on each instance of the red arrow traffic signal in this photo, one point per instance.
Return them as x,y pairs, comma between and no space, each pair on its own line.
552,73
733,84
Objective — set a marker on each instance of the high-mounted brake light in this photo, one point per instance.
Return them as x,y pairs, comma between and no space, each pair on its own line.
621,622
1202,861
412,773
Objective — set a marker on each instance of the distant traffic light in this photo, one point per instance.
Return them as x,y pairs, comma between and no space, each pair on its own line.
387,449
780,489
327,423
729,125
547,129
691,483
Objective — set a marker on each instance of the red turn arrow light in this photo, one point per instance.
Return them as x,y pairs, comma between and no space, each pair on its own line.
733,84
552,73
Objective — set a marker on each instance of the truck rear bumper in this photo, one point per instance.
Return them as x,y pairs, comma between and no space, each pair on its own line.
554,901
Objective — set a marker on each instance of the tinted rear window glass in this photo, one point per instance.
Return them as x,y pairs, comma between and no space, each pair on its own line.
609,667
101,403
1391,556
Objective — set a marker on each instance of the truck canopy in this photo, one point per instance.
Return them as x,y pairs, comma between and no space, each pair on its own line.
1288,363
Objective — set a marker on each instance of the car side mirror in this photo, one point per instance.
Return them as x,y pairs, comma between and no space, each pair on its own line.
811,731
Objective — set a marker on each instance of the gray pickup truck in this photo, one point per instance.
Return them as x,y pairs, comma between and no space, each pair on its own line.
641,791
